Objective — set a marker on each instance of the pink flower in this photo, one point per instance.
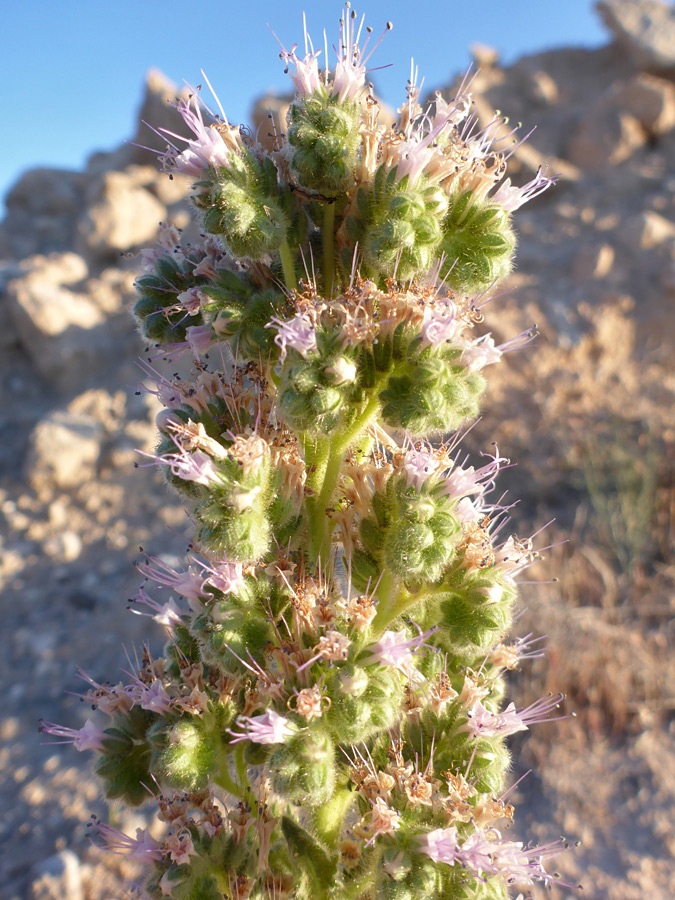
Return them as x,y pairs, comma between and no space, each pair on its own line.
420,465
298,333
226,576
89,737
166,614
191,300
305,76
383,819
483,723
514,555
143,847
464,481
269,728
152,697
200,338
441,845
188,584
439,323
210,147
476,852
350,70
396,649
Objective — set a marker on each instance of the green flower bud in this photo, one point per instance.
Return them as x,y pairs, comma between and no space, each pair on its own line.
189,756
397,226
229,634
160,316
232,518
414,531
431,393
241,314
324,135
124,767
410,880
302,770
364,702
246,206
478,244
473,616
314,392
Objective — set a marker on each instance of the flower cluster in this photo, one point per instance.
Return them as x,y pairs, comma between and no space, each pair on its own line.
327,718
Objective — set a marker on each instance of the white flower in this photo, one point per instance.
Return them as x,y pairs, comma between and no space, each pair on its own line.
512,198
480,353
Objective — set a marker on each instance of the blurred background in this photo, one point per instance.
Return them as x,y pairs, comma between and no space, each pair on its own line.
585,412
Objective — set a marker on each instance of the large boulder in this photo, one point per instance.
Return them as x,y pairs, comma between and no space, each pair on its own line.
121,215
645,28
42,210
69,324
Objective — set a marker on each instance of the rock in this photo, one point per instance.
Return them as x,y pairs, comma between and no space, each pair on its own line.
157,110
646,28
121,215
651,100
69,326
605,136
48,192
63,452
484,56
8,333
42,209
646,230
593,261
58,878
63,547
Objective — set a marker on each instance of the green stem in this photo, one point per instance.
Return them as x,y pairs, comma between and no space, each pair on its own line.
388,609
328,248
288,267
225,781
327,461
317,455
329,817
240,767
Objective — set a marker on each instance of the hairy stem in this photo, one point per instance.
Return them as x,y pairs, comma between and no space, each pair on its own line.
328,247
329,817
325,459
288,267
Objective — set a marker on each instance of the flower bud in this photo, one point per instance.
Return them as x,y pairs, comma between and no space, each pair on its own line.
246,206
432,393
478,244
302,770
324,137
357,713
398,225
161,317
231,634
189,756
343,371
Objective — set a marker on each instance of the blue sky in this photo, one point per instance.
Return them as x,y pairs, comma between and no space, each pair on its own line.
73,71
